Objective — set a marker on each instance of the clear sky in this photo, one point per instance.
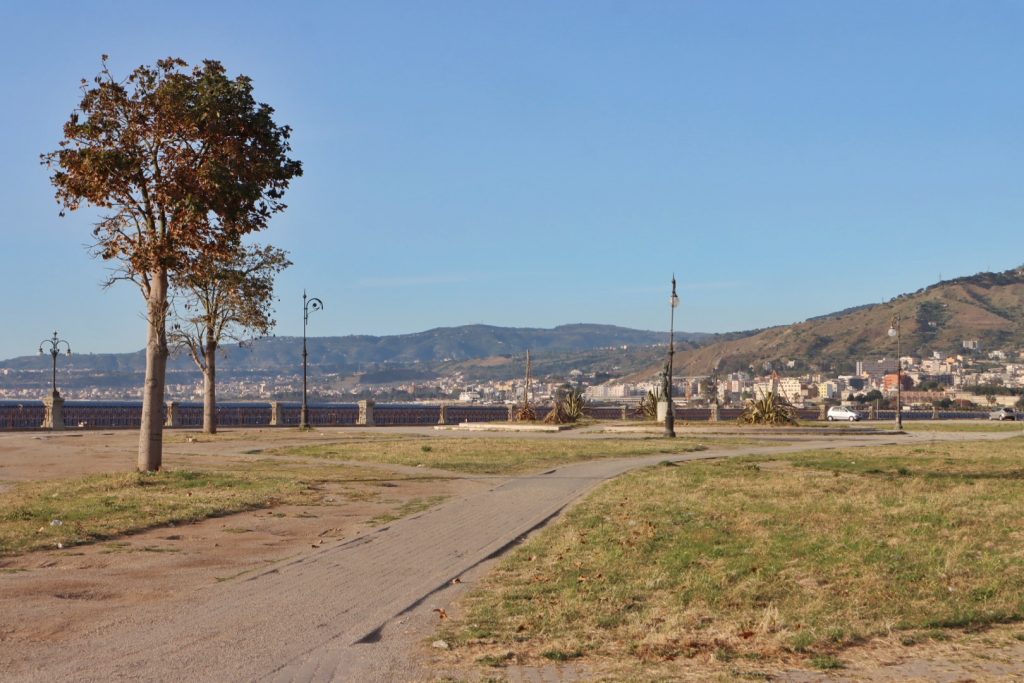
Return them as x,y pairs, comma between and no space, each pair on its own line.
538,163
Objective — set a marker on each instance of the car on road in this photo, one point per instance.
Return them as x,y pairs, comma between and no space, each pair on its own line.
842,413
1002,414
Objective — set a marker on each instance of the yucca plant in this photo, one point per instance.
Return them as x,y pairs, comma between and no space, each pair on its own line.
568,407
769,409
648,406
573,404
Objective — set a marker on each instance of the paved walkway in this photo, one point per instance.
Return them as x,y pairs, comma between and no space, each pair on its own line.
355,610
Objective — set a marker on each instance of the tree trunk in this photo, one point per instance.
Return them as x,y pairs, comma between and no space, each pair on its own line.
210,387
151,433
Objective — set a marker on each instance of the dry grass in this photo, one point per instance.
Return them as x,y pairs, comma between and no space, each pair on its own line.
760,563
962,426
44,514
496,455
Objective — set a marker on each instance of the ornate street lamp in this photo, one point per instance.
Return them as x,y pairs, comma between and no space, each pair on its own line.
894,331
55,343
670,417
308,304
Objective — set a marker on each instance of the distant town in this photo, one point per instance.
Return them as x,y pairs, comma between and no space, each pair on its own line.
970,377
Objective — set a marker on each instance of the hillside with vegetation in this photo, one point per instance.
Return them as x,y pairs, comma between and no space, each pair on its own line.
479,352
987,307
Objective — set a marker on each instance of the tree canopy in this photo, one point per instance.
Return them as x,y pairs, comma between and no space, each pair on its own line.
227,299
223,299
182,163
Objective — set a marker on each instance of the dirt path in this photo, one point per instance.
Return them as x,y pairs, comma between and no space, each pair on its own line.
351,610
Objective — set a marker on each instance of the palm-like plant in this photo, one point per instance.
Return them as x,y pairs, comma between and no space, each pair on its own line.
648,406
567,408
573,404
769,409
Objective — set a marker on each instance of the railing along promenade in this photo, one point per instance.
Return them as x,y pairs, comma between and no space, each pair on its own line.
30,415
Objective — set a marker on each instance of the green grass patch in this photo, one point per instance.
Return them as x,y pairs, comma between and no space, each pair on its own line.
804,553
496,660
557,655
496,455
826,662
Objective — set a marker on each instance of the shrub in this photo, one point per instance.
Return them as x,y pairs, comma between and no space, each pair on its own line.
567,408
525,414
648,406
770,409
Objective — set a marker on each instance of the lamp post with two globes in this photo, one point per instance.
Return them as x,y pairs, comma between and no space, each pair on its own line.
54,343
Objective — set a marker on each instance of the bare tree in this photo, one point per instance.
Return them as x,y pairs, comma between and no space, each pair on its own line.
219,300
182,164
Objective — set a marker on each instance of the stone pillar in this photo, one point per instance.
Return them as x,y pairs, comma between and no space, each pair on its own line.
713,417
935,412
823,412
173,417
276,419
624,414
366,413
873,411
442,418
54,416
512,413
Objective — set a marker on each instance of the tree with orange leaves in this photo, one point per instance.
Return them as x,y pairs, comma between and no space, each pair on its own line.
182,163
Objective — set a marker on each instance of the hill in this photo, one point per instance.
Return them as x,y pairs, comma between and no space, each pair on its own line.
988,307
439,348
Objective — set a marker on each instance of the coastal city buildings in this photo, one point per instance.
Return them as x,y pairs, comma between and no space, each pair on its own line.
992,378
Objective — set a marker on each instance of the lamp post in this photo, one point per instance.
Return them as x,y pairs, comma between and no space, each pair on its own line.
308,304
54,343
894,331
670,417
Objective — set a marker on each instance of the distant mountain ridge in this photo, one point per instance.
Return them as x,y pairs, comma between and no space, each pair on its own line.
987,307
364,352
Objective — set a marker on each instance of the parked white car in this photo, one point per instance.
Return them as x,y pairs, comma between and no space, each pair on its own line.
843,413
1002,414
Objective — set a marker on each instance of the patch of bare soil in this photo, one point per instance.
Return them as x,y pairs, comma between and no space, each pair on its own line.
50,598
34,456
44,455
993,654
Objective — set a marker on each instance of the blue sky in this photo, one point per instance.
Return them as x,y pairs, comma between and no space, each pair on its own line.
539,163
